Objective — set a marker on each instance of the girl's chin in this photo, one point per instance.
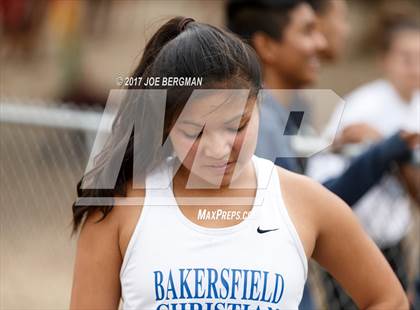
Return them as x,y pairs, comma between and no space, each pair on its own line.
206,180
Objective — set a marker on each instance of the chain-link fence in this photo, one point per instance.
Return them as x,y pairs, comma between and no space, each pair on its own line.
43,155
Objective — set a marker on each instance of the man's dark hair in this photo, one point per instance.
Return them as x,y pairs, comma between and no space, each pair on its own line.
320,6
246,17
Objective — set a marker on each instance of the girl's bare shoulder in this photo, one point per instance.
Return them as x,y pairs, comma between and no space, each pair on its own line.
305,190
120,222
309,204
128,213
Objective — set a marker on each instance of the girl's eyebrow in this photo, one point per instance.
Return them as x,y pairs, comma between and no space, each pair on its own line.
192,123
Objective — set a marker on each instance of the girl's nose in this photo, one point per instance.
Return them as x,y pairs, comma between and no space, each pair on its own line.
216,146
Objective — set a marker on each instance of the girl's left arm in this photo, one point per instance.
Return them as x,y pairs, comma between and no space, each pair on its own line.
345,250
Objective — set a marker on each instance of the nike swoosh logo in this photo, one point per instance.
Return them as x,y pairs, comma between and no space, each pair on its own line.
262,231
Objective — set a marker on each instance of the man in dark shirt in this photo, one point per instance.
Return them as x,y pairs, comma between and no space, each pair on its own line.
286,37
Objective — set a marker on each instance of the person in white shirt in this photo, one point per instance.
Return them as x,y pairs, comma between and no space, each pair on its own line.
374,111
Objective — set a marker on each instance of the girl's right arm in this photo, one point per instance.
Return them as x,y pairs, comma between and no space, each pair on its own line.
100,252
96,283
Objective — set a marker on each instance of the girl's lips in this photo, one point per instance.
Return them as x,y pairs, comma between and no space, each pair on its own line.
221,168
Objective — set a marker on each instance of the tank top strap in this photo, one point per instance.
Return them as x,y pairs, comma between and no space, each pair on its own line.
264,169
159,177
276,196
159,184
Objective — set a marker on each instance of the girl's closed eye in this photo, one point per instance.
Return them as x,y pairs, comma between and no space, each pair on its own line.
195,135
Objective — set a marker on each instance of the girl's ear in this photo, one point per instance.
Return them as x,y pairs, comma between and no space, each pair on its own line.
264,46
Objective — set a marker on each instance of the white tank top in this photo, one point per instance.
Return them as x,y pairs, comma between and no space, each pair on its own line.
172,263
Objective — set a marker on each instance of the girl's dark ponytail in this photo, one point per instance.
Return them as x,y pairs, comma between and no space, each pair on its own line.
166,33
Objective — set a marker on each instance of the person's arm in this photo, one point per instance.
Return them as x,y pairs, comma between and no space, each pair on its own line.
368,168
346,251
410,172
332,235
100,252
96,283
410,177
357,133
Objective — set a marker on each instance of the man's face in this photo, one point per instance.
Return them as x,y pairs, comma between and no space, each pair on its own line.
298,50
402,61
334,25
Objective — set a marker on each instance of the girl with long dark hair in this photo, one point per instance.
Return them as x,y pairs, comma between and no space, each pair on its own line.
216,227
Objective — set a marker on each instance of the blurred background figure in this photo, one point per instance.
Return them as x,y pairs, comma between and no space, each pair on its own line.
100,15
334,24
69,20
289,38
374,111
21,23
